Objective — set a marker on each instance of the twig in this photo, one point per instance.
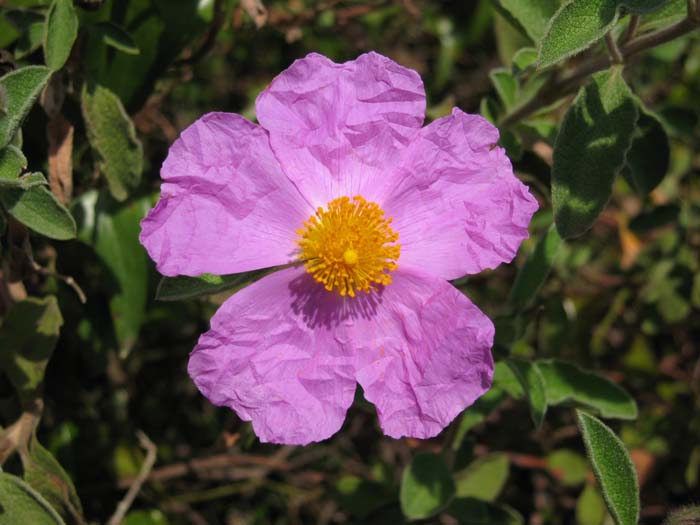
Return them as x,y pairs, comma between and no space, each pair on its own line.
146,467
17,436
209,39
694,11
615,54
65,278
631,29
570,82
219,462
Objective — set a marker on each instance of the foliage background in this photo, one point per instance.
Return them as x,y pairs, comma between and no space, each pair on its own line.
622,300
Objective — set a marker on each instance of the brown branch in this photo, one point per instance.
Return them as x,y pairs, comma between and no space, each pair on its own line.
570,82
17,436
631,29
218,462
209,38
65,278
615,53
146,467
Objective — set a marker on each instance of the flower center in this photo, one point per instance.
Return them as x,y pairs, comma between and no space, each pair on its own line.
348,246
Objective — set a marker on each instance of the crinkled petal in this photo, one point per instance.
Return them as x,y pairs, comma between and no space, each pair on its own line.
225,206
455,201
424,356
337,128
269,358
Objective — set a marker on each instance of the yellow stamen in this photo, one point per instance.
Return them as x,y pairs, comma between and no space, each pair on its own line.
349,246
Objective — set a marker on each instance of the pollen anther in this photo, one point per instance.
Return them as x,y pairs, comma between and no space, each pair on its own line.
349,246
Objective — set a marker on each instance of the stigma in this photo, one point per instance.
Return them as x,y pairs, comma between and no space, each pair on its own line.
349,246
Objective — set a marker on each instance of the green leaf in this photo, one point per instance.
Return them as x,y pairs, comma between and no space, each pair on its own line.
505,379
117,37
568,466
477,414
112,229
20,90
488,108
426,487
12,163
20,504
534,272
613,469
184,287
484,478
60,33
670,12
45,475
113,137
590,507
576,26
33,204
145,517
361,496
590,151
506,86
531,15
24,182
532,382
567,383
649,157
160,30
641,7
30,41
27,338
472,511
580,23
524,59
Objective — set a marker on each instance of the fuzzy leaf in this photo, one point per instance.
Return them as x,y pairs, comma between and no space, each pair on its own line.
590,151
113,137
27,338
531,15
576,26
567,383
20,504
649,157
506,86
534,272
112,230
613,469
669,13
580,23
483,478
45,475
184,287
426,487
524,59
117,37
641,7
19,89
33,204
533,383
590,507
568,466
12,163
472,511
61,30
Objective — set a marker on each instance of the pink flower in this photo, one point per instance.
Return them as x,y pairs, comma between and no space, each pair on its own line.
374,213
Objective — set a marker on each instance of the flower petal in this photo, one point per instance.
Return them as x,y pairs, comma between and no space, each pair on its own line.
424,357
225,206
455,202
269,358
337,128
